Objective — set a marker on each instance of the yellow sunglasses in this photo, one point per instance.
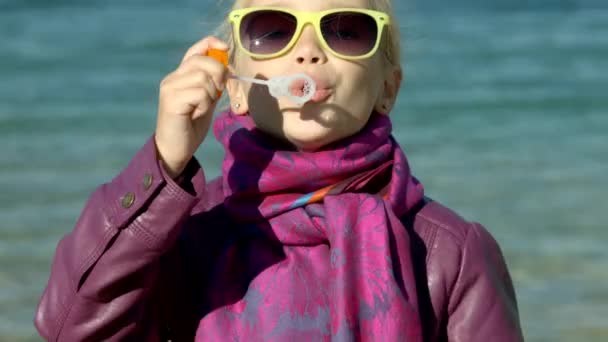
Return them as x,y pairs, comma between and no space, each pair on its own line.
269,32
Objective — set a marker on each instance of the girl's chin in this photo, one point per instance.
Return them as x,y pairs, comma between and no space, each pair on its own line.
311,135
310,140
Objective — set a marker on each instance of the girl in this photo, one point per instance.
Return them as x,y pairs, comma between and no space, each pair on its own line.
316,230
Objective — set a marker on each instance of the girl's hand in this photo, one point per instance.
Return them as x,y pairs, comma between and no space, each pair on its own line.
187,99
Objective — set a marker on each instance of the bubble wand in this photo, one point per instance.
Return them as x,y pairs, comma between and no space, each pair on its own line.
298,88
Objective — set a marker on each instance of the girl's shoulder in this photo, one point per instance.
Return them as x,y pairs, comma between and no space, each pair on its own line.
444,236
431,217
461,276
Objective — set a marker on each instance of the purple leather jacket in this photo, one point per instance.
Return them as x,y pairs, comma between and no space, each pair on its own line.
126,271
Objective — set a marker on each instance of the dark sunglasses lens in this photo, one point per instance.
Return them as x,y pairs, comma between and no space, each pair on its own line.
267,31
350,33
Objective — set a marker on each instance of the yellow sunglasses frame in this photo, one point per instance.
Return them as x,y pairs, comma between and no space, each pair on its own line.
303,18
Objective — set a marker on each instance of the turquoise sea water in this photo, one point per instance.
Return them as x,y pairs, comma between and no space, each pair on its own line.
503,115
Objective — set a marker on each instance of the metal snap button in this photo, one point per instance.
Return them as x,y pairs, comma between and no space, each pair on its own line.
147,181
127,200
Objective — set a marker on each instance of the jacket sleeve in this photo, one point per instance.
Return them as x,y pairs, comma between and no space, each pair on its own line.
104,272
482,304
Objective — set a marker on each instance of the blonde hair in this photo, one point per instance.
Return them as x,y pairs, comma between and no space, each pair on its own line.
391,45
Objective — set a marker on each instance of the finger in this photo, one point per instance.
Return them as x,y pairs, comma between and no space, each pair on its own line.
218,73
196,79
191,99
202,46
209,99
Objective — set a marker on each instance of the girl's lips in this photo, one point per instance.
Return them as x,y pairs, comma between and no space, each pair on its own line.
321,95
323,91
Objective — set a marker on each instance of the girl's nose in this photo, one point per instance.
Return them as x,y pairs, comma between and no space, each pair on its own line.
308,49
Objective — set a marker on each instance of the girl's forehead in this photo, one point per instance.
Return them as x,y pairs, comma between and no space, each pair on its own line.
307,4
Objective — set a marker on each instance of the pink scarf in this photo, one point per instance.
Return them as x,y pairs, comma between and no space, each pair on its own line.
346,273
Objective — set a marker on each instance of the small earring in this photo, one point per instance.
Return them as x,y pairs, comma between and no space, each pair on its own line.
237,106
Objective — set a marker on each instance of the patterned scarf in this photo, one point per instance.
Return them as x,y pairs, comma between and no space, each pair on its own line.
345,271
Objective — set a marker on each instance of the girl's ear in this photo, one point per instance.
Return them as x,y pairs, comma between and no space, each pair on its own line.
238,98
392,83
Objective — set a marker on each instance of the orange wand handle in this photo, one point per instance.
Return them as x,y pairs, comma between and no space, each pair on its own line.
220,56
